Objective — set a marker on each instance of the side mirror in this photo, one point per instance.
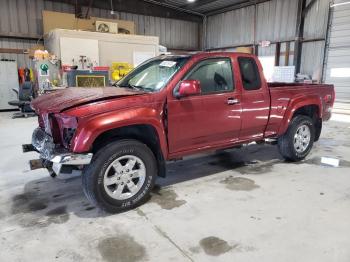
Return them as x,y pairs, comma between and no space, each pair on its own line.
189,88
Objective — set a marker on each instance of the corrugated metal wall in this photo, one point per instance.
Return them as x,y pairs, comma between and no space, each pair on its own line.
267,51
315,27
22,60
24,17
338,52
231,28
174,34
316,21
276,22
312,59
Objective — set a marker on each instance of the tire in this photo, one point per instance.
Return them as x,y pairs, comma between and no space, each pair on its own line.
109,187
318,129
288,147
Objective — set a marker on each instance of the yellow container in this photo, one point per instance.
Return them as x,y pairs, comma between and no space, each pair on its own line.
120,69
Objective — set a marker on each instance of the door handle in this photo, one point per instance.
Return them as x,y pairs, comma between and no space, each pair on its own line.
232,101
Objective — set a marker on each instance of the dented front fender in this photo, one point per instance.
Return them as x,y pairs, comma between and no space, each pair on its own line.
92,127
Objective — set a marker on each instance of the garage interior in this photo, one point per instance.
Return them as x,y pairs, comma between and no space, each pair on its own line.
239,204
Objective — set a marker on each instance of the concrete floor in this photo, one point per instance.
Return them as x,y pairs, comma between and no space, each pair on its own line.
238,205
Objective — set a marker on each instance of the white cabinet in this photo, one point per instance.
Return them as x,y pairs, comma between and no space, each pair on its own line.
104,48
8,81
73,48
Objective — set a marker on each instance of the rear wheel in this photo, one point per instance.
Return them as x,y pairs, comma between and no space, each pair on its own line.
121,176
297,142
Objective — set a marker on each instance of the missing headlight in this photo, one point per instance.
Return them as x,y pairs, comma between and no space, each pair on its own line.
47,124
68,134
66,126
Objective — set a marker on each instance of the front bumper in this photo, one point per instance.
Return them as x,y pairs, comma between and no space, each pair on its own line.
54,155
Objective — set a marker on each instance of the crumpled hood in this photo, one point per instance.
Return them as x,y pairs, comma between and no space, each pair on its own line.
57,101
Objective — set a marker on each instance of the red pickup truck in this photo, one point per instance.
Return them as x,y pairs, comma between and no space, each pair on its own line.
171,106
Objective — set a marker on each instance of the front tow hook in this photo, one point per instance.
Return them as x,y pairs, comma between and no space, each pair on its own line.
28,148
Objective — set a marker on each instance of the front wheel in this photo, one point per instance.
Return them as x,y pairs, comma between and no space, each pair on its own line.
297,142
120,176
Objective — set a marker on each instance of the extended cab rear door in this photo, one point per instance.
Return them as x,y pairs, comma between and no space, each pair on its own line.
255,99
210,119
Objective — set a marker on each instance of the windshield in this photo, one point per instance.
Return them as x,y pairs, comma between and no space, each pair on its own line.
154,74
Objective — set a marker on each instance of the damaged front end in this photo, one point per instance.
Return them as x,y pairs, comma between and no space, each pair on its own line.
55,155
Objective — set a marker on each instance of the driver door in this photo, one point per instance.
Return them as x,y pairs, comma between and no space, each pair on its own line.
210,119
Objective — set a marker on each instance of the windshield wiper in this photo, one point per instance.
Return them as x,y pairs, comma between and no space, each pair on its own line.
132,87
140,88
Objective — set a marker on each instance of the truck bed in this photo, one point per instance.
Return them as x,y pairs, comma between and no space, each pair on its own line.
285,96
292,90
281,84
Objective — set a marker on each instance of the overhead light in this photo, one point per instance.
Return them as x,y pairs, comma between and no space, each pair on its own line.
112,9
191,1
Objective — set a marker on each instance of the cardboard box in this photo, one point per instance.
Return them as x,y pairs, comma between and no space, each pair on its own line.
122,24
54,20
243,49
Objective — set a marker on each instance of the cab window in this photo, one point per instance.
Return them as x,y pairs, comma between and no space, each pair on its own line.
214,75
249,73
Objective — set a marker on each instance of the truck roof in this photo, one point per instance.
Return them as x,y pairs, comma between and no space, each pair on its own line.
206,54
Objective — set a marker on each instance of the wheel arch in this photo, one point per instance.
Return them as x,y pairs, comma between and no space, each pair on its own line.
311,106
144,133
287,142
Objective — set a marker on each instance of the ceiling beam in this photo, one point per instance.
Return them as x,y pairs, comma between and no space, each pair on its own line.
175,7
308,7
299,35
77,9
88,9
19,36
198,3
19,51
142,7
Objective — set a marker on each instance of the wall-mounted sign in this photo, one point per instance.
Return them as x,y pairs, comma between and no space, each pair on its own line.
44,67
265,43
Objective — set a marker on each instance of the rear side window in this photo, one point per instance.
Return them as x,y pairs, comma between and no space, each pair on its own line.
214,75
249,73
